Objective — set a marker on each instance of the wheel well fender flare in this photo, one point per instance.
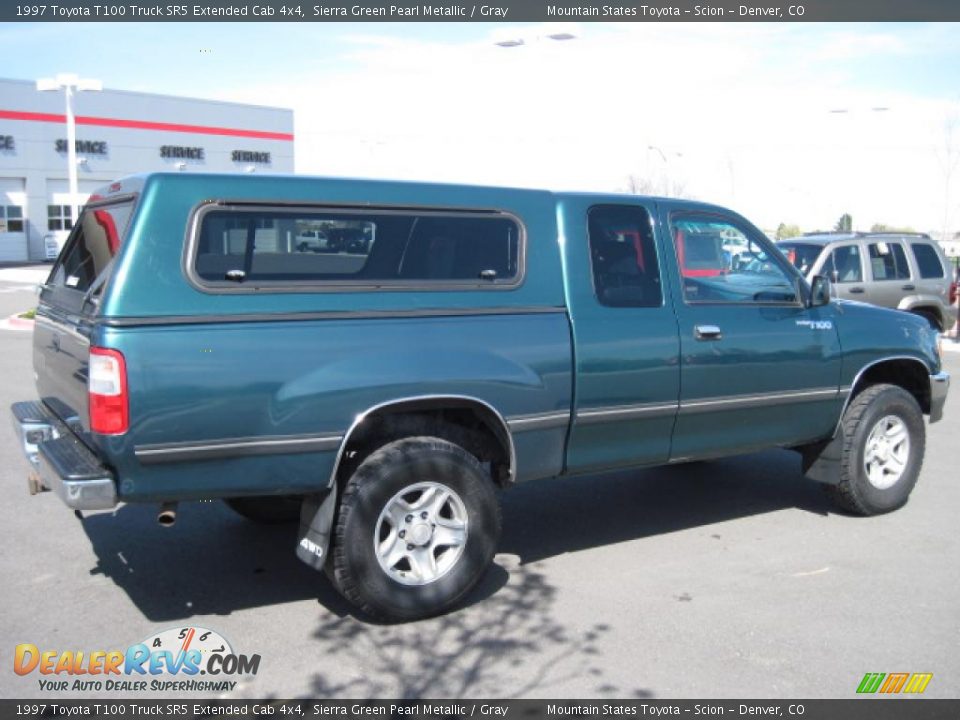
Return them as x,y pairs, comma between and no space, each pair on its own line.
492,417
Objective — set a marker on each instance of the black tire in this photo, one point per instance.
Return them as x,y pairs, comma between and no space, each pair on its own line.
356,571
931,317
855,492
267,510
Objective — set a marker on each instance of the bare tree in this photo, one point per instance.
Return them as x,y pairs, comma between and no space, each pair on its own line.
666,187
638,185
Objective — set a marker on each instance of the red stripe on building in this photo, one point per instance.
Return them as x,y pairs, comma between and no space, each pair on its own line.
145,125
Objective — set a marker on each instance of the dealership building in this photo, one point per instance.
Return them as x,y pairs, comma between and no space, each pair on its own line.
117,133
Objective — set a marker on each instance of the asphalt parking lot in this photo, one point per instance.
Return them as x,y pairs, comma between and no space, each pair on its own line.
727,579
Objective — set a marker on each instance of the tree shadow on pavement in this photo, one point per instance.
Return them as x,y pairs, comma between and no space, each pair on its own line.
213,562
510,645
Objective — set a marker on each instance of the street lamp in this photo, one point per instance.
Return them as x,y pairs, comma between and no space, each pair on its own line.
70,84
552,31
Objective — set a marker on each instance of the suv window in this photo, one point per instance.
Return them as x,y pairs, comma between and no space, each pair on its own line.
928,261
711,274
626,272
888,261
843,265
269,245
91,246
801,255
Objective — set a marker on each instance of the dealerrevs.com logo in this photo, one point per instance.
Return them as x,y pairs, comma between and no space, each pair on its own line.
175,660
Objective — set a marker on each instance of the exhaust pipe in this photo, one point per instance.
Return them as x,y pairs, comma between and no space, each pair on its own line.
168,514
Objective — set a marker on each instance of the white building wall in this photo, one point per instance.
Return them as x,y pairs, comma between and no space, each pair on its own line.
124,133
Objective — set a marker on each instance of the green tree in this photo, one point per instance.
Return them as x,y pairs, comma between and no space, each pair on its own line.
787,231
884,228
844,224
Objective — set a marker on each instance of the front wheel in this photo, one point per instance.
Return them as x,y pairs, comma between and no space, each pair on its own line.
883,447
418,525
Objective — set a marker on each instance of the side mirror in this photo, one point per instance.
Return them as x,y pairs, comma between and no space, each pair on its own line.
820,291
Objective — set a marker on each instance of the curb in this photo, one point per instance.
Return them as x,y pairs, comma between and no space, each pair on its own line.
19,323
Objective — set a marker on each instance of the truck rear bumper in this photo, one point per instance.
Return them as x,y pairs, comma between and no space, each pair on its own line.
939,385
62,462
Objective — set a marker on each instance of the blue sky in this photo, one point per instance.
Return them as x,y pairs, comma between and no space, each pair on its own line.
738,114
201,58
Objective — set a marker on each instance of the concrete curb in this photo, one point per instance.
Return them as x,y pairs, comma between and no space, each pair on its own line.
14,322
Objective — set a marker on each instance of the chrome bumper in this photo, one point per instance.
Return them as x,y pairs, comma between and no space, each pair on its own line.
939,385
60,461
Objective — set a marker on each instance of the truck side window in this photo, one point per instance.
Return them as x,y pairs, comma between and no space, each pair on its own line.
626,272
279,246
719,263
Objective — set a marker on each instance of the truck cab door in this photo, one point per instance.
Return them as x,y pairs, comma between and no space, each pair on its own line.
624,333
758,368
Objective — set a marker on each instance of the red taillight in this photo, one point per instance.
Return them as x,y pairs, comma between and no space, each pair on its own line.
107,386
953,293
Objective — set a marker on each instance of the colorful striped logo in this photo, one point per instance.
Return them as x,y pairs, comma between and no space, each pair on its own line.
890,683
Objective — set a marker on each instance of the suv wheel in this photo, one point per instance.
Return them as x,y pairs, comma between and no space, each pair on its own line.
931,317
883,450
418,525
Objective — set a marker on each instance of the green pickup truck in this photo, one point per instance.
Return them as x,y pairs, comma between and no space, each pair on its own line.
189,346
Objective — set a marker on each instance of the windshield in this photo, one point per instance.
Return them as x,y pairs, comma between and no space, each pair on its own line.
801,255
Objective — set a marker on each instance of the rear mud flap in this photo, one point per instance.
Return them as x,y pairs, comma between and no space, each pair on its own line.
821,461
316,524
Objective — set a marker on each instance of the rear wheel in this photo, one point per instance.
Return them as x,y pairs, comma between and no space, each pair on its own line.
883,447
268,510
418,525
931,317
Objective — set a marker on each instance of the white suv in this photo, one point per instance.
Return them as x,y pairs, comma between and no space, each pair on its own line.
906,271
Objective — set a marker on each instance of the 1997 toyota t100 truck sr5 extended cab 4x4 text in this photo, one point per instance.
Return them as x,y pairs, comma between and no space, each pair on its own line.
443,342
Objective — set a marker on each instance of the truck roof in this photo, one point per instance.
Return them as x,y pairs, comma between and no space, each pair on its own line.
136,183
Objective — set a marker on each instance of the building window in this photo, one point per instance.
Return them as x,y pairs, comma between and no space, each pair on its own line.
11,218
59,217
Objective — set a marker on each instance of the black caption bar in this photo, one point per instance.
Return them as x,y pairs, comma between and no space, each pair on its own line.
494,11
862,709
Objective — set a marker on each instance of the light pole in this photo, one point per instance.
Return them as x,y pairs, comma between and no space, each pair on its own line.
70,84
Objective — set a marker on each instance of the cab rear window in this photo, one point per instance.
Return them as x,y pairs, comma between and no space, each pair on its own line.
91,246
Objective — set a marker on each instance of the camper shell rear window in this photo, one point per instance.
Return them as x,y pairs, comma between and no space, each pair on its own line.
92,245
237,248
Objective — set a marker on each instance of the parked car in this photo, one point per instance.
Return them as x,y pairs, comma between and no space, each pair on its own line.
184,350
311,241
906,271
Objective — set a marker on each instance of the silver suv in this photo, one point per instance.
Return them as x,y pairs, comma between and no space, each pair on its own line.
906,271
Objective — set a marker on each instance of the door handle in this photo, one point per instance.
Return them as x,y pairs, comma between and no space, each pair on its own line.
909,287
707,332
855,291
